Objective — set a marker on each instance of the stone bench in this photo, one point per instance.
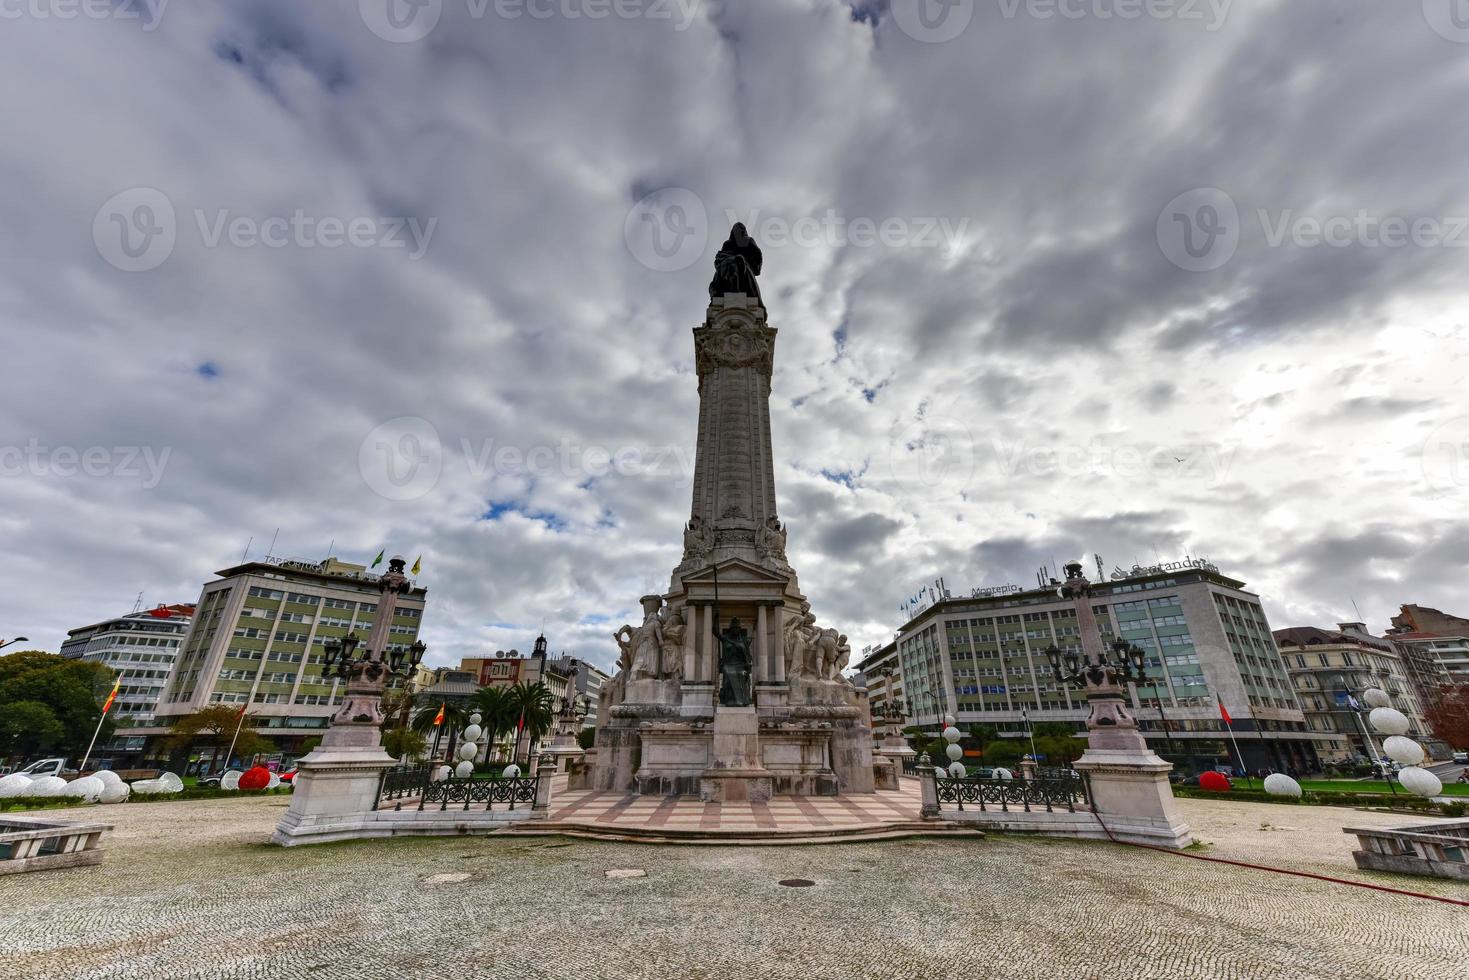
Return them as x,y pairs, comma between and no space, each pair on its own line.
38,844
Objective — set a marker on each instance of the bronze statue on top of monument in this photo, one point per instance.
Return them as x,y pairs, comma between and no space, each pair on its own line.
736,266
730,689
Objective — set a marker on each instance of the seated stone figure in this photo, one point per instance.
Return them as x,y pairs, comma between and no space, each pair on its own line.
736,266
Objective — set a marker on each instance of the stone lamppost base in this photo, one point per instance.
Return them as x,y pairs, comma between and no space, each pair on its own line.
335,794
1132,797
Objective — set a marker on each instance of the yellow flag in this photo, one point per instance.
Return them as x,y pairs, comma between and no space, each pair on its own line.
417,565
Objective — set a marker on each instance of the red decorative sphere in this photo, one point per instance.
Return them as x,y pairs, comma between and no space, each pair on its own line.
257,778
1214,782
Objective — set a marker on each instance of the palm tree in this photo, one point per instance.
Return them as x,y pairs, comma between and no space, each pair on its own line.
534,711
498,710
456,716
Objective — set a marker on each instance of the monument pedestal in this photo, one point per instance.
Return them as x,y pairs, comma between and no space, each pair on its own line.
335,793
1132,796
736,772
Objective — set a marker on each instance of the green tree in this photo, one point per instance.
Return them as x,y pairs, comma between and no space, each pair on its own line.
586,738
215,726
1004,752
499,712
405,743
28,729
72,690
983,735
533,704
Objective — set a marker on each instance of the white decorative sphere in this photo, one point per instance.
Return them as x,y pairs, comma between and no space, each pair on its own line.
275,780
1279,784
464,770
170,783
1003,773
116,792
950,720
1376,697
108,776
441,774
472,733
47,786
1420,782
954,752
511,771
231,779
467,751
1402,750
15,784
952,734
145,786
475,718
956,769
88,788
1389,721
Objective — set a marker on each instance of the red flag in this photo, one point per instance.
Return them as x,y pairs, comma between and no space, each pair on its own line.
1224,713
241,713
162,612
439,718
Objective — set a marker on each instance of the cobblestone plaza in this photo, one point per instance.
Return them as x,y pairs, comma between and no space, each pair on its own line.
191,889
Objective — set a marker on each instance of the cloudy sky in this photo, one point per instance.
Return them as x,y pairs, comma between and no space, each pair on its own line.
1052,278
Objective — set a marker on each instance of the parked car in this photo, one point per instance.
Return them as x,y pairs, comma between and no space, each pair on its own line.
1461,758
48,767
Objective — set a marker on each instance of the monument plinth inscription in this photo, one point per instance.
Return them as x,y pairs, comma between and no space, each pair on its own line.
729,677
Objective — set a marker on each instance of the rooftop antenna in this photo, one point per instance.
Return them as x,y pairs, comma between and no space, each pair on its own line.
331,548
138,603
246,553
271,553
1358,612
1101,573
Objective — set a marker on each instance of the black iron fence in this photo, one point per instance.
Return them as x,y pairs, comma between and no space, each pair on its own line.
1066,788
910,765
408,784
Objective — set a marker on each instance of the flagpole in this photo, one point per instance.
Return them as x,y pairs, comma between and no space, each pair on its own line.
1030,729
93,742
1243,771
238,725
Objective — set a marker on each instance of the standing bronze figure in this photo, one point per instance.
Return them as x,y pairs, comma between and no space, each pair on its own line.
736,266
735,665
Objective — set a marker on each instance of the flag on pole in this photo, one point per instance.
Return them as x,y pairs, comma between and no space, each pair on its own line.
379,559
113,696
161,612
417,566
1224,713
439,718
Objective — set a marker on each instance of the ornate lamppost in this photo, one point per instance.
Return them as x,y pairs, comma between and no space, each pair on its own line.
366,669
1104,678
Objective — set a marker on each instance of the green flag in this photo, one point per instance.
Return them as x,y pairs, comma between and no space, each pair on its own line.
379,559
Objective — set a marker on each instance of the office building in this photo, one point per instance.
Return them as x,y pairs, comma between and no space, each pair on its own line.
1206,641
258,636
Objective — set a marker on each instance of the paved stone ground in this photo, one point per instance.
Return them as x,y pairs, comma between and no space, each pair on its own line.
189,889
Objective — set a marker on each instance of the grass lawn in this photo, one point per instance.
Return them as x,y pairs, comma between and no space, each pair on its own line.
1371,786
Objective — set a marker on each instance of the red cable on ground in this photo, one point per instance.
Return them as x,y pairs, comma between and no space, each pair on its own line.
1265,867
